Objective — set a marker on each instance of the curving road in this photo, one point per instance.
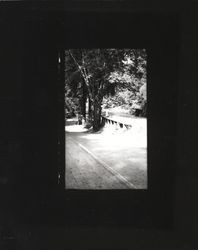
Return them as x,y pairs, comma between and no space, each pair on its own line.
110,159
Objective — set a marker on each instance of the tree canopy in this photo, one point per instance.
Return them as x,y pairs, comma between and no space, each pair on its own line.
105,76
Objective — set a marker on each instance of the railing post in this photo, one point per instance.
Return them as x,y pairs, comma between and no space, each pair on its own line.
116,125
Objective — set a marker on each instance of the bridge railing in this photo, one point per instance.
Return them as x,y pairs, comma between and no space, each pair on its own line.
107,120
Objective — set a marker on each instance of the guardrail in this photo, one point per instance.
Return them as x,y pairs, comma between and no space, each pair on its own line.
106,120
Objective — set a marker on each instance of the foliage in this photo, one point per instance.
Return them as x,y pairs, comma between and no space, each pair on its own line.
131,83
99,74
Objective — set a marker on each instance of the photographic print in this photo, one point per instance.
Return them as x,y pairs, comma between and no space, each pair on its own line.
105,119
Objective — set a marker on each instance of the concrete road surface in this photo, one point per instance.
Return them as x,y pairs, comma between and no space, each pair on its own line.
109,159
83,171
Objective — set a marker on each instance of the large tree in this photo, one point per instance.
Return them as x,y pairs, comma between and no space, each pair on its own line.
101,71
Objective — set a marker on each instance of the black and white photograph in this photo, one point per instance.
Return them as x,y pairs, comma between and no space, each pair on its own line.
106,118
99,117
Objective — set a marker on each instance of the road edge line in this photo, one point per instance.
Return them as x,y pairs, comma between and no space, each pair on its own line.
105,165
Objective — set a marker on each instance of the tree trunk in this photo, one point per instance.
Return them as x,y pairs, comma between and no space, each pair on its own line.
83,107
84,100
97,116
90,109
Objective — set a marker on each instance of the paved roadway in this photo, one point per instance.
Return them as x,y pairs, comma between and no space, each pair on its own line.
106,160
84,171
